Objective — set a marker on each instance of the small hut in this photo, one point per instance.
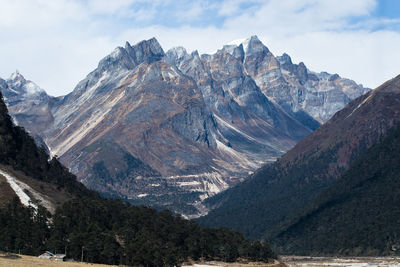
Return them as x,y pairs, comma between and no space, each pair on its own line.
54,257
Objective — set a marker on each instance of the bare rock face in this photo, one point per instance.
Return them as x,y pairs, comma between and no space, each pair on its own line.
294,87
171,129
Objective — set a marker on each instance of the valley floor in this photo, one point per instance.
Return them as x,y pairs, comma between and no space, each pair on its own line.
28,261
290,261
17,260
300,261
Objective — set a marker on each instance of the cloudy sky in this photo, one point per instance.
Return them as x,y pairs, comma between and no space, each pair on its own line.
56,43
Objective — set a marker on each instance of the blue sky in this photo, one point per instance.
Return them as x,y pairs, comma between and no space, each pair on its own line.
56,43
387,9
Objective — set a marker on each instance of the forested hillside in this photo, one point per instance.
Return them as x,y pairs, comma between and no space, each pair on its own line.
357,215
113,232
104,230
18,150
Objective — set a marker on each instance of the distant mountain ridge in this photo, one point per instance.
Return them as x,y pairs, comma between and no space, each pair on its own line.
149,125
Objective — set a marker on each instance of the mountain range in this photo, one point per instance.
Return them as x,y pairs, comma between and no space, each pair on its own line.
188,132
170,129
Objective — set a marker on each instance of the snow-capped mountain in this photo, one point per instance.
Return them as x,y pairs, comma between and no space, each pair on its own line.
171,129
18,86
28,104
21,94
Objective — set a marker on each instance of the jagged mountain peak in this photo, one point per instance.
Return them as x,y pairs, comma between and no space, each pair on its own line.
176,55
249,46
254,45
22,86
185,62
195,53
284,59
179,51
235,50
120,61
16,75
146,50
130,56
254,38
152,43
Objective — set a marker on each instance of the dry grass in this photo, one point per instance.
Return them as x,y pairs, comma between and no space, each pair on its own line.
28,261
16,260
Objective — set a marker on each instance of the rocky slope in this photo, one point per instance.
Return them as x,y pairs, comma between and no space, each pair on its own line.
171,129
267,201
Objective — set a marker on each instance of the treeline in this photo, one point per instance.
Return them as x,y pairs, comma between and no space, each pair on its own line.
22,230
114,232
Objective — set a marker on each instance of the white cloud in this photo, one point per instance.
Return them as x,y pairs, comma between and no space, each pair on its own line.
191,12
289,17
24,15
57,43
232,7
108,7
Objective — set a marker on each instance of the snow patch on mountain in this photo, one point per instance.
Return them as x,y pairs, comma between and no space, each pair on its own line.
19,189
23,86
